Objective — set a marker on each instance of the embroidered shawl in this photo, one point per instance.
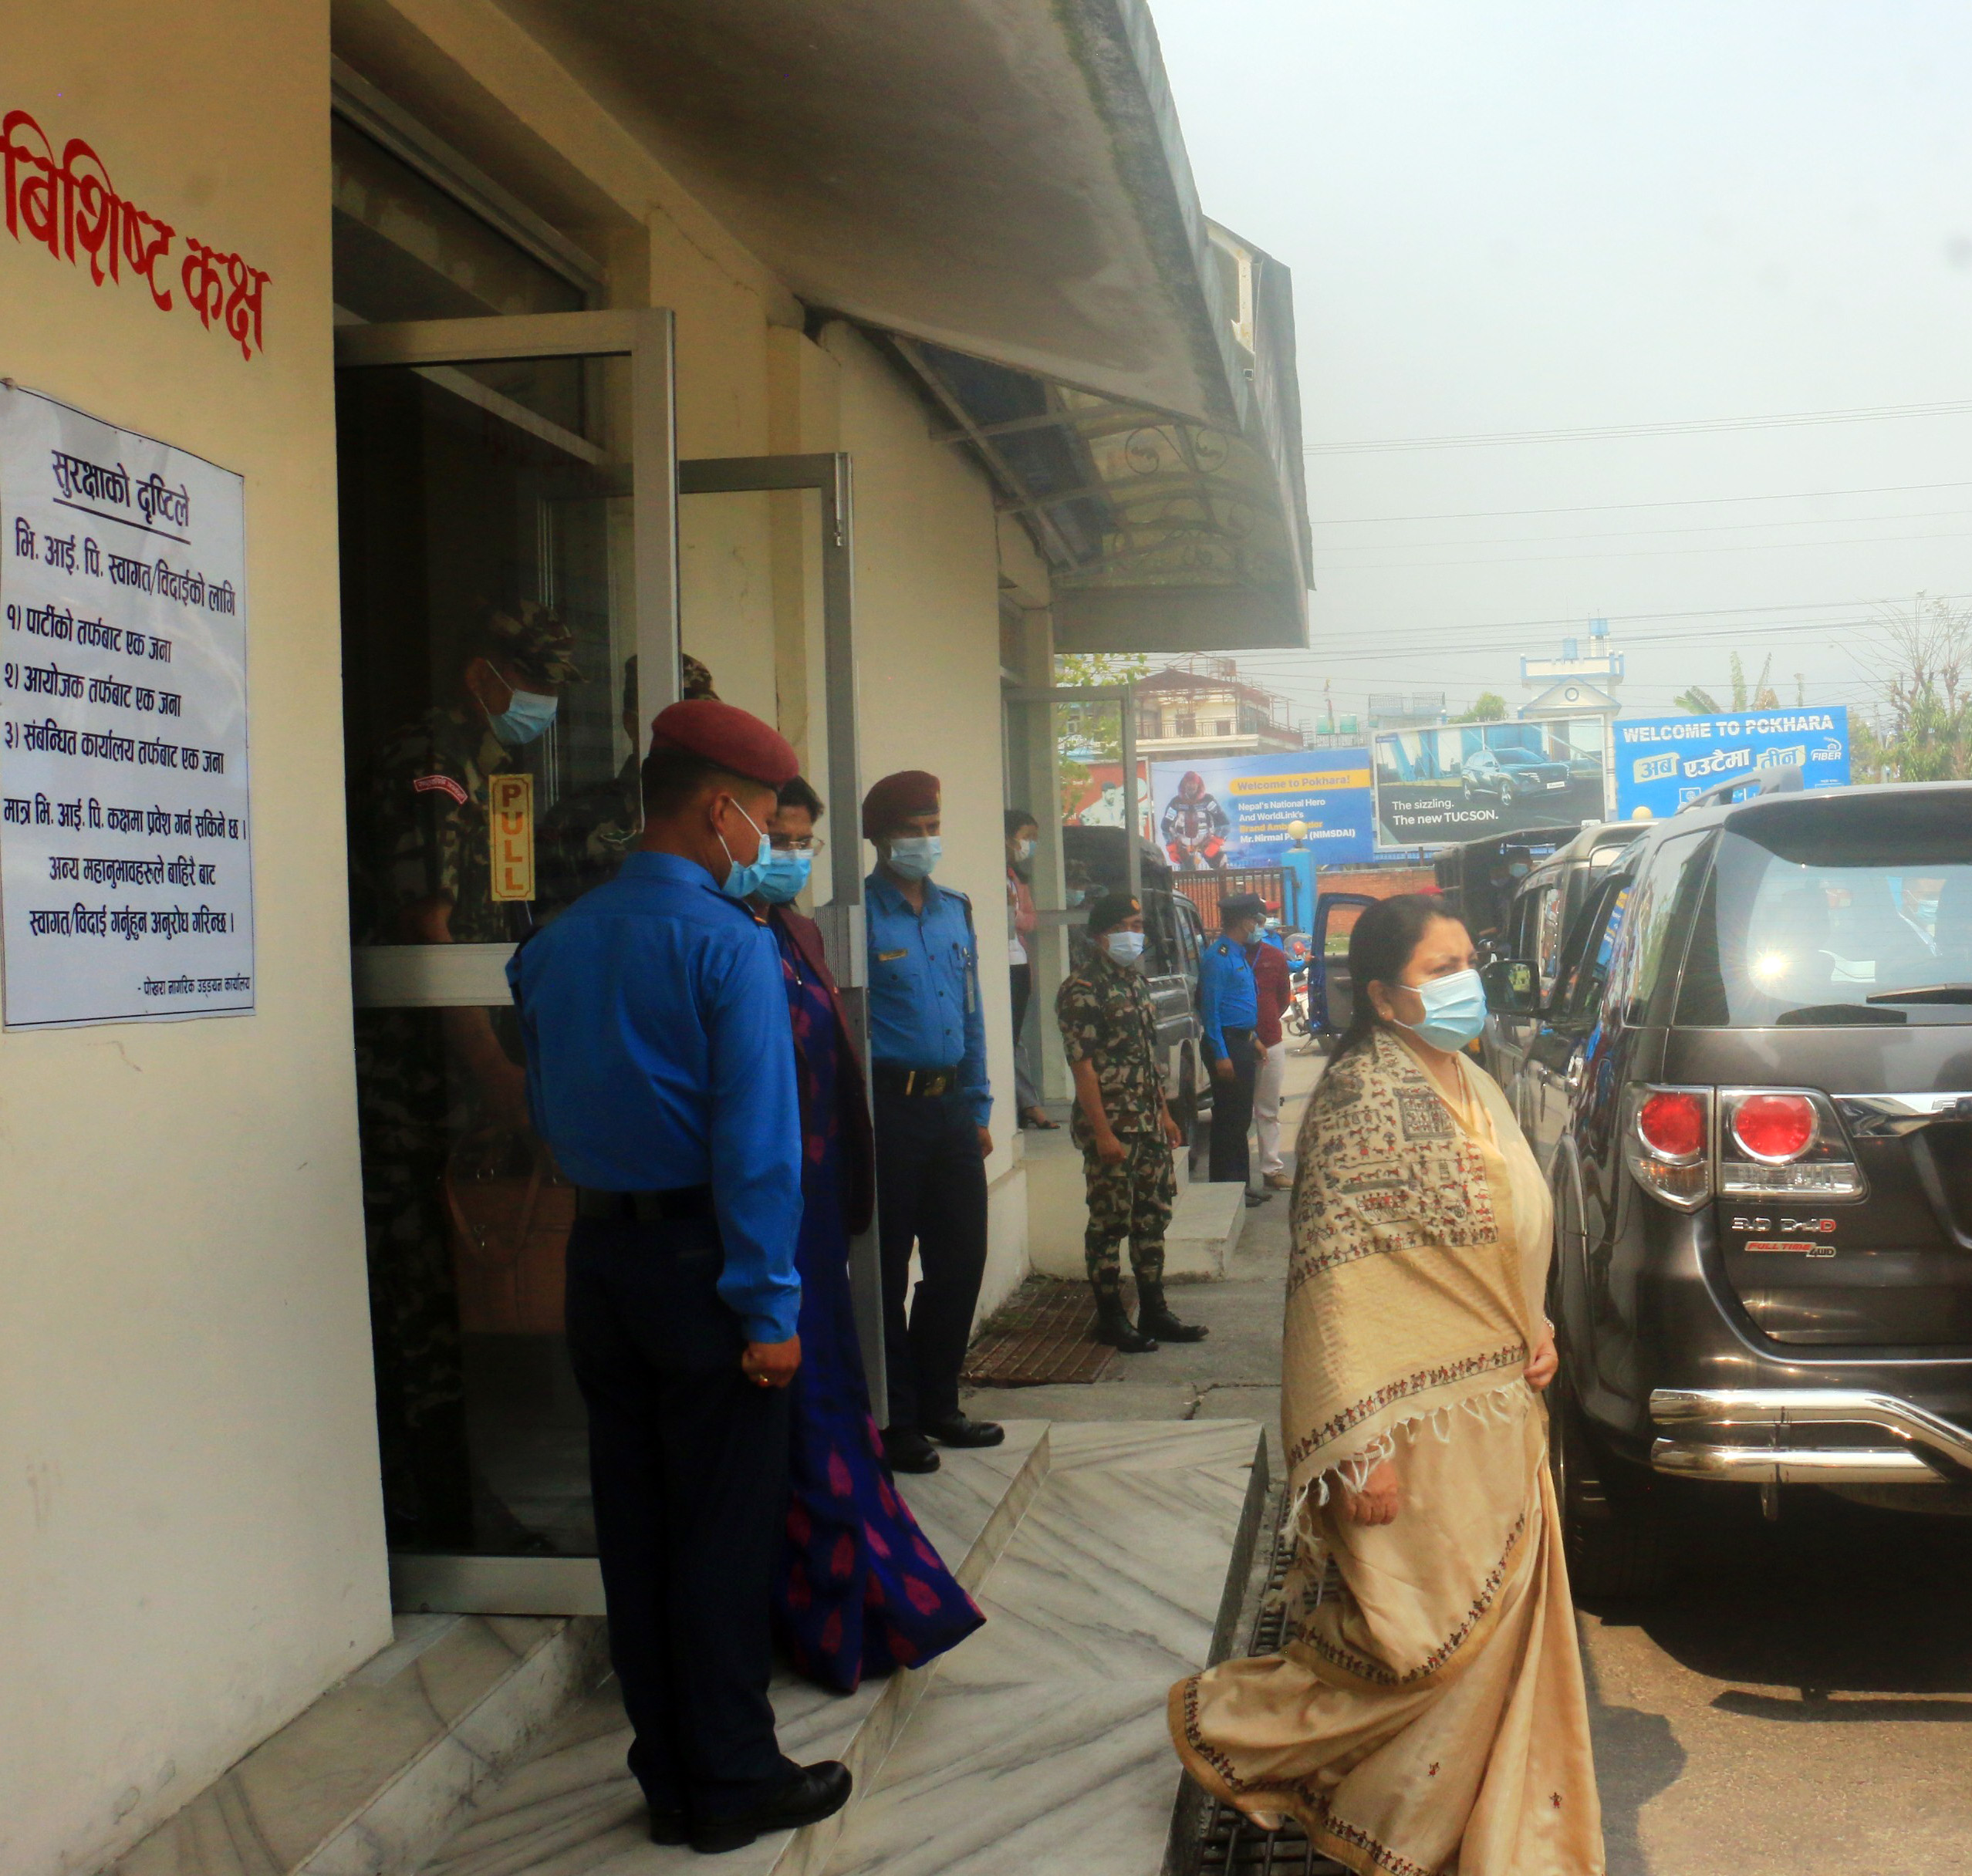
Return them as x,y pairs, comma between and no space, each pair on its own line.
1406,1298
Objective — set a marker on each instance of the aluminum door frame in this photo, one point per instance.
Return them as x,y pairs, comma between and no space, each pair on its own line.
841,918
446,976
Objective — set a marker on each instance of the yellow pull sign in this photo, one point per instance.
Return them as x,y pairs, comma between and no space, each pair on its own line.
510,828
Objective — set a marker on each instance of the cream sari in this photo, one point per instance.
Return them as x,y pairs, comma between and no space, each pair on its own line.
1426,1716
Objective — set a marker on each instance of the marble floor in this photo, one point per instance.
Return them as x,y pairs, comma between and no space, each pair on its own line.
1100,1553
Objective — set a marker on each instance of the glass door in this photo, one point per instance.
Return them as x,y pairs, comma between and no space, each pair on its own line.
507,490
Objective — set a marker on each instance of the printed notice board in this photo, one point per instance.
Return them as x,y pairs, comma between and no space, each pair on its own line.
126,855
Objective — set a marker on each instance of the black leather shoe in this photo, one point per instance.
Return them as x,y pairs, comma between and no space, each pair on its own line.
669,1827
1258,1198
958,1431
906,1450
815,1792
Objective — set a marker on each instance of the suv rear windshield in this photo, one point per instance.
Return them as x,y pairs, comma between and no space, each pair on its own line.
1854,910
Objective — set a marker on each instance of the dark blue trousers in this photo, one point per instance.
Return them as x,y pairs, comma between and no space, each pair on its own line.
688,1464
931,1192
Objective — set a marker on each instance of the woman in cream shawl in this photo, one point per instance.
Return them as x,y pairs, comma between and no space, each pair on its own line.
1426,1716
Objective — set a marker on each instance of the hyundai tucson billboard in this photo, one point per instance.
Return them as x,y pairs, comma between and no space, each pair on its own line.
1668,761
1466,781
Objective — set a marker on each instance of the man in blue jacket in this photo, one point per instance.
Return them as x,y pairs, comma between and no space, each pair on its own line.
1229,1010
660,1069
927,1052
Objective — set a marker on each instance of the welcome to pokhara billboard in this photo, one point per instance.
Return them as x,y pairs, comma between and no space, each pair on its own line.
1666,761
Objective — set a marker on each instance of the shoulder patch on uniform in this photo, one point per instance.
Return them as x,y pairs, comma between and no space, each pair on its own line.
440,784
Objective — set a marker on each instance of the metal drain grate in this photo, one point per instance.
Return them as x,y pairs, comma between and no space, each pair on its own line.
1046,1334
1229,1843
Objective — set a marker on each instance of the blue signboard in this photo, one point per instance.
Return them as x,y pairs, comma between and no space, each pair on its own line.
1235,811
1662,764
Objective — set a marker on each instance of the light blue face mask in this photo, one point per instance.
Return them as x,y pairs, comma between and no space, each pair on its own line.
527,715
913,856
782,875
1124,948
744,881
1454,1011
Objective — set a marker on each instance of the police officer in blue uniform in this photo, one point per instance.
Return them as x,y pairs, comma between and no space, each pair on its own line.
927,1050
1229,1008
660,1069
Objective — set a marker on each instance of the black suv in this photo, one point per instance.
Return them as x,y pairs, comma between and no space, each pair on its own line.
1750,1085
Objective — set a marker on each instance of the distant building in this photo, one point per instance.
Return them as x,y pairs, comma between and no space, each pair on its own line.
1202,706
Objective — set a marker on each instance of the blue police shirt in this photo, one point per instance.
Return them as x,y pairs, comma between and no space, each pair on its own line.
924,1009
1228,998
659,1055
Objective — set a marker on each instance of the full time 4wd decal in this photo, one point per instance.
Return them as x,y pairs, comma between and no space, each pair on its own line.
1801,1237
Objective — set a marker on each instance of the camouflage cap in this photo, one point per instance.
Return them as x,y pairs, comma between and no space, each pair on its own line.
532,638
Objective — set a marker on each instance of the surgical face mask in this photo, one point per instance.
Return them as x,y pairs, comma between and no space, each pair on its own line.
782,875
913,856
1023,850
1124,947
1454,1011
744,881
527,715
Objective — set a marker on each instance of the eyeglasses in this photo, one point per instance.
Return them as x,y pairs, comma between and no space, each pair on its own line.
804,843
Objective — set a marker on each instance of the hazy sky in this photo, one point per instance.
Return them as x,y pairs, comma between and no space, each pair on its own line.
1538,216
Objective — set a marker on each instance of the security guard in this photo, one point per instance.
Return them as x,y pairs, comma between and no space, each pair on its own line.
421,860
1229,1008
1123,1124
660,1069
927,1048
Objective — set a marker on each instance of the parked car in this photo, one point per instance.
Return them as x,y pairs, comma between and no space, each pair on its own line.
1546,903
1749,1077
1174,937
1510,775
1481,878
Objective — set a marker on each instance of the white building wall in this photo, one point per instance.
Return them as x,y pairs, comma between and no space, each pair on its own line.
191,1529
927,642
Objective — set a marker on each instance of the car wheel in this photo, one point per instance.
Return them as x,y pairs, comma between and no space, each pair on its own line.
1612,1526
1506,793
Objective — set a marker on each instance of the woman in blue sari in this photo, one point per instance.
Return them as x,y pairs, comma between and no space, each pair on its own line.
860,1589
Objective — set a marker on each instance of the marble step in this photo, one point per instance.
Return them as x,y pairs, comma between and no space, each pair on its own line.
569,1807
379,1769
1040,1746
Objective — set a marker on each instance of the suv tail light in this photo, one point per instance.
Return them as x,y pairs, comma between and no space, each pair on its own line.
1667,1143
1782,1142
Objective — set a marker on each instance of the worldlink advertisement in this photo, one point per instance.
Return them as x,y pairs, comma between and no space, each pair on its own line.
1668,761
1235,811
1466,781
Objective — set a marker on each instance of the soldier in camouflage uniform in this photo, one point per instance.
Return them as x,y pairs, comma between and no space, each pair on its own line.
421,856
1123,1124
585,835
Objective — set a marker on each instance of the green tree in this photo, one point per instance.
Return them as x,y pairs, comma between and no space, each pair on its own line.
1097,725
1759,695
1921,667
1488,706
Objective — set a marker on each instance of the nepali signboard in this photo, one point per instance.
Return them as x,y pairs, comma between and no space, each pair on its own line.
1469,780
1663,763
126,861
1235,811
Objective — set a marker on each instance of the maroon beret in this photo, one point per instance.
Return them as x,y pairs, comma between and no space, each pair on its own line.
734,739
909,792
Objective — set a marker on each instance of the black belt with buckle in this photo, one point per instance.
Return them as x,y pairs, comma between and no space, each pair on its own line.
647,1208
918,1083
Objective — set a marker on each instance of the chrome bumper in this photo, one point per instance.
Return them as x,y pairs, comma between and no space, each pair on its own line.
1917,1447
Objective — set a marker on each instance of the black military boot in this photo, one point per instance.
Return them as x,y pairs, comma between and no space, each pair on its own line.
1154,1317
1112,1326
